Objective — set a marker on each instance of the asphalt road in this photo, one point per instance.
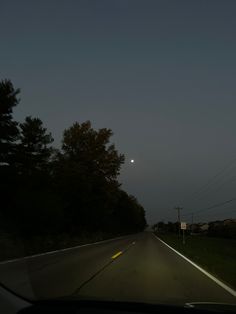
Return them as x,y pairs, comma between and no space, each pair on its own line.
133,268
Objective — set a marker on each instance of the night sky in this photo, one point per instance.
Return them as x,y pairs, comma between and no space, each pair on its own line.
160,74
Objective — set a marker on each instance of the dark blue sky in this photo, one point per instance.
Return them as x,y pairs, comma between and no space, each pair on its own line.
160,74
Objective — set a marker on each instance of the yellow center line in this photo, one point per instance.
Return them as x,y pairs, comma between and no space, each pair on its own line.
117,254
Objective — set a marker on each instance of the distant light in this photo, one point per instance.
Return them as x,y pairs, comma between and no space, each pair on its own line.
132,161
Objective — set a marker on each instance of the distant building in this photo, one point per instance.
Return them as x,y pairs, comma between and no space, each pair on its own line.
194,228
227,222
204,227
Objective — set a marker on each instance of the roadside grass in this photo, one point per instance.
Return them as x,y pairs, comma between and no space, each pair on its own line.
216,255
14,247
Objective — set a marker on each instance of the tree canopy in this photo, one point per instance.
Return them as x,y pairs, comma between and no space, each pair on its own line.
34,149
91,150
8,127
73,189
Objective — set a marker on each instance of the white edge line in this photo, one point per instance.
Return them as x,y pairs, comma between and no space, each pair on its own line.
58,251
220,283
217,303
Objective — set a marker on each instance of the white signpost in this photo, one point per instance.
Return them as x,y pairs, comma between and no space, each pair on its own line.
183,226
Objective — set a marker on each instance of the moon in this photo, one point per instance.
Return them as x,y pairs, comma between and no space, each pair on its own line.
132,161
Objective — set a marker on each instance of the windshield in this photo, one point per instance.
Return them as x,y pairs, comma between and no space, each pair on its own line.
117,150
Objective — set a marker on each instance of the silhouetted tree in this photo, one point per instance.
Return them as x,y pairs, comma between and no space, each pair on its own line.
85,170
8,136
8,127
34,149
73,190
89,148
37,204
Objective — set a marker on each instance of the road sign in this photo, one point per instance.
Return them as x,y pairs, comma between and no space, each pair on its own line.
183,225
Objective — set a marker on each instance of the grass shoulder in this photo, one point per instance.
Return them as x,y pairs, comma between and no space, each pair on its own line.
15,247
216,255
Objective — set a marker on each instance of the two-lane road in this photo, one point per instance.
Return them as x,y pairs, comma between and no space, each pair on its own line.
133,268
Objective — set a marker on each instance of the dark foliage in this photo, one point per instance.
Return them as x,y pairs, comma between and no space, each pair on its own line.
73,190
8,127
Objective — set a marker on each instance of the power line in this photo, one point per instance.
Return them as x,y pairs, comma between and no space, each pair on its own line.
216,205
228,212
217,188
210,207
196,213
208,184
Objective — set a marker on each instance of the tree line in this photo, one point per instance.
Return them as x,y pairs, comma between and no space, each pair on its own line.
220,228
73,189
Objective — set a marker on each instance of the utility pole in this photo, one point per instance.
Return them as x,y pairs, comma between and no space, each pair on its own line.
192,223
178,213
